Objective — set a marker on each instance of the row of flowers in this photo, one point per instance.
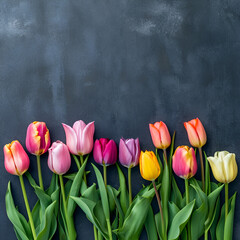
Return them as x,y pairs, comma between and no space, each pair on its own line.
124,216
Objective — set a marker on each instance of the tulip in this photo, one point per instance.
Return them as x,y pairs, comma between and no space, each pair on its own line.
105,153
37,143
150,170
225,170
129,153
184,165
197,138
17,162
59,159
38,138
160,135
79,138
196,133
184,162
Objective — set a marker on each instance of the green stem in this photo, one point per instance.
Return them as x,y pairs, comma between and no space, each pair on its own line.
165,155
84,174
76,161
206,235
39,172
202,168
187,201
27,207
109,229
130,185
226,201
105,174
69,225
95,233
160,208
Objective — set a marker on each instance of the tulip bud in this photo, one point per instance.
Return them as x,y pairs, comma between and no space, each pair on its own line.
149,166
16,160
129,152
224,166
38,138
184,162
160,135
59,159
105,151
79,138
196,133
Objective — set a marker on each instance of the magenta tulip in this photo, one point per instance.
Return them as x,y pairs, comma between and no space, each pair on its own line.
129,152
38,138
79,138
16,160
184,162
59,159
105,151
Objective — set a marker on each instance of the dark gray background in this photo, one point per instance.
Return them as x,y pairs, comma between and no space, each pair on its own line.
123,64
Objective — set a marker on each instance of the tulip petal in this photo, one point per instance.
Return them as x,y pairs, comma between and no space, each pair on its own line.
86,144
125,157
97,152
8,160
110,153
137,154
20,157
156,138
201,132
33,140
165,136
192,135
71,139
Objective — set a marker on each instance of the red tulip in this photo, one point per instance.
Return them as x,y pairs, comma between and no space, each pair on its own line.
38,138
196,133
16,160
160,135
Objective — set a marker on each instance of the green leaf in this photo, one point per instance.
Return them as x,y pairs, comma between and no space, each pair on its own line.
20,224
199,215
103,192
214,221
49,223
74,190
171,153
228,228
150,225
176,195
134,222
207,176
180,221
124,201
173,210
212,201
161,166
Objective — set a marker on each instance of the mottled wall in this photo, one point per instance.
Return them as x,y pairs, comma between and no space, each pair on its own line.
123,64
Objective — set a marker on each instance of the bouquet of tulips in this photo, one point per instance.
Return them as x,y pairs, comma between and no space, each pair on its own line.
114,212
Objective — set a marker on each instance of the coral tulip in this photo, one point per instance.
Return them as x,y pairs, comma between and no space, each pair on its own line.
79,138
129,152
184,162
196,133
16,160
105,152
59,159
160,135
38,138
224,166
149,166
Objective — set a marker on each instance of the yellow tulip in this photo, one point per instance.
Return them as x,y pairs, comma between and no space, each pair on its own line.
224,166
149,166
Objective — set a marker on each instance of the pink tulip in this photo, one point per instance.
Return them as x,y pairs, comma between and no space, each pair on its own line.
129,152
196,133
38,138
105,151
184,162
59,159
79,138
16,160
160,135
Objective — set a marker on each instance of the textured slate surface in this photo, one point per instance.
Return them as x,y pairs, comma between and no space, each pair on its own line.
123,64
